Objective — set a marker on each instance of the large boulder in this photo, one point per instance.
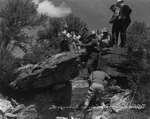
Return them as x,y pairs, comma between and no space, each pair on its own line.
9,111
119,62
111,61
56,69
5,105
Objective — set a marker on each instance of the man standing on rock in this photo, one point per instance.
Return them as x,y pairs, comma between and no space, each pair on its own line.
98,81
106,39
115,24
64,44
124,20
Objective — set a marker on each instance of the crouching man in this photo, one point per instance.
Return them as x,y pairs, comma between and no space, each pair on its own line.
98,81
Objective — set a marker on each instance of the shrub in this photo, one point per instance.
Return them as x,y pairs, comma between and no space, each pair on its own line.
130,114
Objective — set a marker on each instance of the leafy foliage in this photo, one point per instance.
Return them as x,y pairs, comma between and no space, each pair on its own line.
8,65
49,39
139,42
41,50
56,26
137,35
17,15
74,23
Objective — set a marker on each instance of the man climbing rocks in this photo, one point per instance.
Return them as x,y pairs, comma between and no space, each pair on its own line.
92,52
98,81
124,20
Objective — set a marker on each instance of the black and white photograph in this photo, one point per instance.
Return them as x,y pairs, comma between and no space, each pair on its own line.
74,59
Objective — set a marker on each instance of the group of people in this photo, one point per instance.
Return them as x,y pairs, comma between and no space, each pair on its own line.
120,20
69,40
94,42
99,79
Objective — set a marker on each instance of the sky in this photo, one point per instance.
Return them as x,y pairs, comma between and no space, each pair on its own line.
95,13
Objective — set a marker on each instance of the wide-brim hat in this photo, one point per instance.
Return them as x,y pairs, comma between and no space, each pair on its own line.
105,30
118,1
93,32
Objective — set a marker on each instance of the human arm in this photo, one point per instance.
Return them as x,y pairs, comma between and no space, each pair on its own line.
113,19
107,39
87,44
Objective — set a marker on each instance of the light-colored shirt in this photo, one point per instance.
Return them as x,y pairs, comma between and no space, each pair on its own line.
99,77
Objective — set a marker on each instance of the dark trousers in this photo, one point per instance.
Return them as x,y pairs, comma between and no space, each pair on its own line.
123,29
92,62
115,34
95,93
64,46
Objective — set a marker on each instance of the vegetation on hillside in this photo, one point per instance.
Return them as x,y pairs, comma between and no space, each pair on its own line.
138,42
18,15
48,41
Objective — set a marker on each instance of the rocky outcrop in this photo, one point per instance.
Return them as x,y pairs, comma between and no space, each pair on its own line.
112,61
117,62
20,111
56,69
118,102
65,66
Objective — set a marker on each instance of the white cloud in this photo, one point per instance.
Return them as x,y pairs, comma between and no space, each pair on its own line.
51,10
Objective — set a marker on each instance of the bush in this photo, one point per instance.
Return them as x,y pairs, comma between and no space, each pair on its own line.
130,114
137,35
139,42
8,64
42,50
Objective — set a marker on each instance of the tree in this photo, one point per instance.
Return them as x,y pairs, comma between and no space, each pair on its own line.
137,35
40,51
74,23
16,16
56,25
8,65
138,40
48,39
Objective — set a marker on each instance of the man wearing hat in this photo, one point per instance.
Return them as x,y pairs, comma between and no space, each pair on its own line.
124,20
64,44
92,51
105,39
